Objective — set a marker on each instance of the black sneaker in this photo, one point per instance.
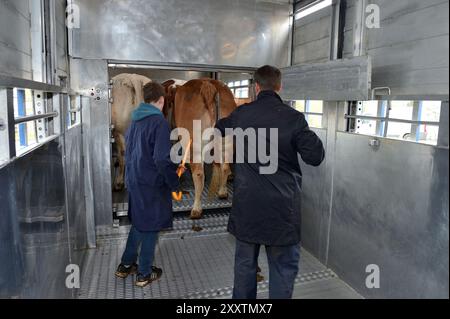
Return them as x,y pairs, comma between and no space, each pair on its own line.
143,281
123,271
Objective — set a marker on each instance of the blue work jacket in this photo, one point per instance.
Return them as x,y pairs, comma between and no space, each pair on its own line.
150,174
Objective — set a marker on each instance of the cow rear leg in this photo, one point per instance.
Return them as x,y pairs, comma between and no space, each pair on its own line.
119,183
198,176
225,167
225,173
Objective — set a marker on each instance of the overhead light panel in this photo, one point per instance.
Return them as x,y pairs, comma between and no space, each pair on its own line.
313,8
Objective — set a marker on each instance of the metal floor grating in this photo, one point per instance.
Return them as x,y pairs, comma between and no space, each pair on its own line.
196,265
187,203
120,200
212,221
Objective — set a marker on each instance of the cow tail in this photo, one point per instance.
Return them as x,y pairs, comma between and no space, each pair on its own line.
208,92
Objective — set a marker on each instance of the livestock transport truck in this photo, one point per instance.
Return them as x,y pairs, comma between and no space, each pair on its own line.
370,77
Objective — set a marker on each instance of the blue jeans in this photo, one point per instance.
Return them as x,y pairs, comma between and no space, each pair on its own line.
283,268
147,241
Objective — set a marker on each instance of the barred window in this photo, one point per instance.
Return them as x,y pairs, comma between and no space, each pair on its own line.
26,133
416,121
240,89
313,111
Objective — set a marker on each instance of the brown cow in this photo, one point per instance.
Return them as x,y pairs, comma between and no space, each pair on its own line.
196,100
127,93
171,87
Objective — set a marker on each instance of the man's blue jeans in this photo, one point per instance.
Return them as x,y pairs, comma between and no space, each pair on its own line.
283,268
147,241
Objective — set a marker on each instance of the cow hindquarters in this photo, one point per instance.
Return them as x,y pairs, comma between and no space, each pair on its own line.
198,176
119,183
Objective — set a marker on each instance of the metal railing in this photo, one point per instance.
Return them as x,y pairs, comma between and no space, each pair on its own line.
51,105
8,82
384,119
24,119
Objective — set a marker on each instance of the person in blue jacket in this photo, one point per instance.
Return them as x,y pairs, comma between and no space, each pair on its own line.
266,207
150,179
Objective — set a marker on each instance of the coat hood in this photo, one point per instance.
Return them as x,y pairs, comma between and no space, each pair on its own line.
145,110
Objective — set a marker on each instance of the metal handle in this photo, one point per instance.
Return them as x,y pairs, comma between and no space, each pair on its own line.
19,120
383,88
381,118
375,143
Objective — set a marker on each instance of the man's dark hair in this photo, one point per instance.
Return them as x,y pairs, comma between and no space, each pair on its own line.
153,92
268,77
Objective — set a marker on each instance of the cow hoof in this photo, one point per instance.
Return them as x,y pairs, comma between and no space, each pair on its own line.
223,196
119,187
196,214
259,278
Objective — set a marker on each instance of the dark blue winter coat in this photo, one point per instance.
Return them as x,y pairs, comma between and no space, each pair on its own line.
150,174
266,208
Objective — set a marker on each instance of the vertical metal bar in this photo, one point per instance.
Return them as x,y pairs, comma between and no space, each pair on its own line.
351,123
341,28
88,173
252,90
307,109
37,40
50,36
47,41
69,32
68,115
11,123
291,35
332,116
57,104
379,124
53,52
386,125
61,124
359,28
417,114
39,108
334,34
341,121
325,115
338,16
7,125
381,112
21,111
419,118
443,138
307,106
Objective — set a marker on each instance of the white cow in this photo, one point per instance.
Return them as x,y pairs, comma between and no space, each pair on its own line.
127,94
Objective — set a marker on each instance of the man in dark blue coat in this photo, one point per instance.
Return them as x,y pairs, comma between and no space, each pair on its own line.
150,178
266,206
